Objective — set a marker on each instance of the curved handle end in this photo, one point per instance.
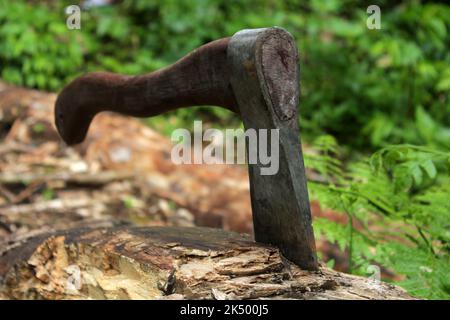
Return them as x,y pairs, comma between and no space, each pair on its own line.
71,124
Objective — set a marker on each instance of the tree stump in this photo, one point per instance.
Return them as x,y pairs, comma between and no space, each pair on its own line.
167,263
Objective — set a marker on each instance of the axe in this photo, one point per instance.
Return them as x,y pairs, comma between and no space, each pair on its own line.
255,74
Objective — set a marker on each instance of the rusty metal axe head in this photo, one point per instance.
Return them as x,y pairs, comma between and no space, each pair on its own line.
255,74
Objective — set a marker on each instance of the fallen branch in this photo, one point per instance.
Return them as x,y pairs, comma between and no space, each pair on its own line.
88,178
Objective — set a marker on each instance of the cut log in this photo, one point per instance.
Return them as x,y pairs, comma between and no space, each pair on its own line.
167,263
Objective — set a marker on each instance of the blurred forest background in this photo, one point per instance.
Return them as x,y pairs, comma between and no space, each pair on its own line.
374,105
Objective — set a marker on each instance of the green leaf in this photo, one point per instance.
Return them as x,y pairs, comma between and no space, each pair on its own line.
429,168
417,175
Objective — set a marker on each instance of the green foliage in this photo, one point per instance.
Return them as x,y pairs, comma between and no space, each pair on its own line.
357,84
398,207
36,50
361,84
129,202
48,194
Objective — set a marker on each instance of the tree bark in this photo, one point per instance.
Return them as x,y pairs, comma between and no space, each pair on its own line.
166,263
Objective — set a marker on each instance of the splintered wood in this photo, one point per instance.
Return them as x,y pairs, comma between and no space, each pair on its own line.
168,263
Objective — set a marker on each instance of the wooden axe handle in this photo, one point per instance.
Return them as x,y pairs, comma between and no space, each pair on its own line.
200,78
254,73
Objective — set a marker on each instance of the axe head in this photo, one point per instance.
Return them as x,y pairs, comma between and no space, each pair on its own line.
265,81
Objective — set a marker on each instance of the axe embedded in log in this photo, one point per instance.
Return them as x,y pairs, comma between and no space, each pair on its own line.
255,74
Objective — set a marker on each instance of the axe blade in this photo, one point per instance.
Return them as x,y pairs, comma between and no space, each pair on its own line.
265,80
